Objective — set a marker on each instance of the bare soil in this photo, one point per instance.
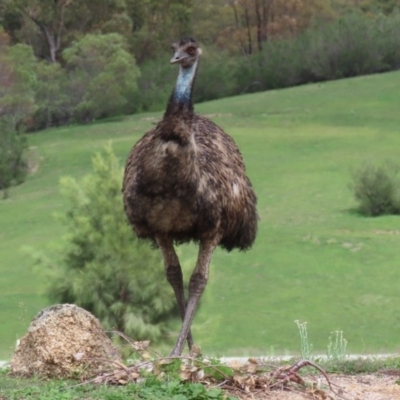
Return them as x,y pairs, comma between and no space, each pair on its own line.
359,387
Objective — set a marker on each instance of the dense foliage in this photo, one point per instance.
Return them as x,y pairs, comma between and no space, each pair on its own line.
88,52
98,80
13,167
104,268
349,46
377,189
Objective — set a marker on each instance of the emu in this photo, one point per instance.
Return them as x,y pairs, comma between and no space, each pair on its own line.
185,180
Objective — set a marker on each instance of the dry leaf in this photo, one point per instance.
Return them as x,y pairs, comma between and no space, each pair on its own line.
141,346
195,351
145,355
250,368
185,375
250,381
193,368
119,364
164,361
238,378
235,364
200,374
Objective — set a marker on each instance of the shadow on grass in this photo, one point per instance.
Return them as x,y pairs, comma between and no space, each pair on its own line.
355,212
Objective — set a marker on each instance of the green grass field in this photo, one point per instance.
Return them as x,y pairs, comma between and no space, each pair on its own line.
314,260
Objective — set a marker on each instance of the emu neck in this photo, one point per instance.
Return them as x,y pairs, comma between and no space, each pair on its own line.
181,99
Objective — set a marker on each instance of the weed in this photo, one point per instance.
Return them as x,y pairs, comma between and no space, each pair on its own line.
305,346
337,347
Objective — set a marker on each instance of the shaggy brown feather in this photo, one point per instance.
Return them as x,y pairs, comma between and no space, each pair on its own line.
186,179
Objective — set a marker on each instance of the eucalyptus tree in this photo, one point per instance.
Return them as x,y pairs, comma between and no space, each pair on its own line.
51,25
102,76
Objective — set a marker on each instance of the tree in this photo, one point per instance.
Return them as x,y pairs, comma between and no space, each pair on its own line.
17,80
367,6
54,104
103,75
13,168
51,25
256,21
156,24
104,268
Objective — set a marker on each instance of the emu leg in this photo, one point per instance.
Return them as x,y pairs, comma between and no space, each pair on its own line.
173,272
197,284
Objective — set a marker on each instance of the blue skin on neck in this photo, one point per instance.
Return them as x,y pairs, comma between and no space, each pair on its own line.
183,88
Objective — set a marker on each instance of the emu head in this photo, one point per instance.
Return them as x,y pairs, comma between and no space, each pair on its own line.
186,52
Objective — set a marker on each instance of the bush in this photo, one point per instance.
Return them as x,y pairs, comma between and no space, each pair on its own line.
99,77
349,46
377,189
155,83
103,75
103,267
17,77
54,102
13,168
216,76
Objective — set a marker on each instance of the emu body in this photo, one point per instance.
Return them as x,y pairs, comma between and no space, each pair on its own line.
185,181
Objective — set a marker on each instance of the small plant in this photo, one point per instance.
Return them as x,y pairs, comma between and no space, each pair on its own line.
377,188
305,346
337,346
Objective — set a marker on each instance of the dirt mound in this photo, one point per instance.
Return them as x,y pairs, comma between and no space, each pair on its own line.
63,341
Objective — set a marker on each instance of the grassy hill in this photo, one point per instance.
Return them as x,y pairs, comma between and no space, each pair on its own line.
314,260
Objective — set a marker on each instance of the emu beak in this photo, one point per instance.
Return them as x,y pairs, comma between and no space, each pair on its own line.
177,58
181,57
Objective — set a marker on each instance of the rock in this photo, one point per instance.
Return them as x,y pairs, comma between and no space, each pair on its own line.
64,341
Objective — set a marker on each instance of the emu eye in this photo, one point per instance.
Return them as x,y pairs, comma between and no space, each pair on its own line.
191,51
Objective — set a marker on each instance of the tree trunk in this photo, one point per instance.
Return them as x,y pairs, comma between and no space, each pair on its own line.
248,25
259,24
54,32
267,4
52,45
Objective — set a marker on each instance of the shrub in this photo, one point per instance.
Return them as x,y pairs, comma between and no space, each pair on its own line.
54,102
103,75
216,76
155,84
17,77
103,267
388,40
377,189
347,47
13,168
